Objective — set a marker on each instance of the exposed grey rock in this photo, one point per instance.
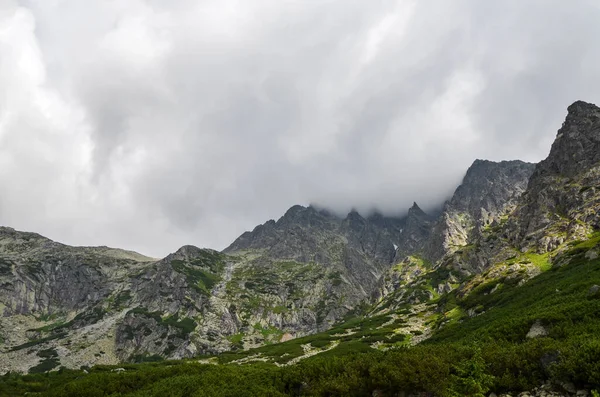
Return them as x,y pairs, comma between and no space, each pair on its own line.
537,330
415,233
594,292
562,201
489,191
355,250
592,254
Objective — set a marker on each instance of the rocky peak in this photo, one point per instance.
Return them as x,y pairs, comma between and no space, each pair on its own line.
13,240
355,221
416,213
489,185
489,191
562,201
577,144
295,211
416,231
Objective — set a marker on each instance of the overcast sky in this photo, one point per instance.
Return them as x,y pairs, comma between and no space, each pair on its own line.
152,124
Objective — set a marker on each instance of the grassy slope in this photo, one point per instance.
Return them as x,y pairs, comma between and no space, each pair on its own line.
467,356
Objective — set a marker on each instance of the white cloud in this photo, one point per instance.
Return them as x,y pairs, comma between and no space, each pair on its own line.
150,124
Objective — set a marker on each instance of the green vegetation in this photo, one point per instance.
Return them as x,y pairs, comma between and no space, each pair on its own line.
471,378
48,363
236,341
541,261
120,300
269,333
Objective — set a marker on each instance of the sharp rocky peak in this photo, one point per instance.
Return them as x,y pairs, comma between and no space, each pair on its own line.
561,201
416,211
577,144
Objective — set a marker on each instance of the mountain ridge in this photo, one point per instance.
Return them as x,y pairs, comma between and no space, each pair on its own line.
303,273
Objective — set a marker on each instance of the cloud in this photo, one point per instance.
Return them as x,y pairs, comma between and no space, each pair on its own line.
148,125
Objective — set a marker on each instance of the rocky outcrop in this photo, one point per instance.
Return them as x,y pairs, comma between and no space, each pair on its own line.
416,232
488,193
562,201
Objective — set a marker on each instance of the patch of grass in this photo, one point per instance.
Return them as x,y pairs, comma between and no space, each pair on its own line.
541,261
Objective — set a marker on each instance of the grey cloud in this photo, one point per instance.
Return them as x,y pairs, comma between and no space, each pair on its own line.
190,122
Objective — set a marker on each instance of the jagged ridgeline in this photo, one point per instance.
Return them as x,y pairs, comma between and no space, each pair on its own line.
509,264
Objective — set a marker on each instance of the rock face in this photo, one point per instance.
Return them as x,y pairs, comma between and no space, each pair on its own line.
488,193
562,201
342,259
537,330
416,232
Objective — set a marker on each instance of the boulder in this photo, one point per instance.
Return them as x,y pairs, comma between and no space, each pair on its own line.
537,330
594,292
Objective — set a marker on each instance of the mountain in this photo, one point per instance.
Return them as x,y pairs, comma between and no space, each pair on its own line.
283,280
514,249
488,193
340,259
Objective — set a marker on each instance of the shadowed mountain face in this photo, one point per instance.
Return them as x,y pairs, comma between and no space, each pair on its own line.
302,273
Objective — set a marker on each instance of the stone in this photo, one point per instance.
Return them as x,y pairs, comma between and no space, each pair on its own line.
286,337
594,292
591,255
569,387
537,330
